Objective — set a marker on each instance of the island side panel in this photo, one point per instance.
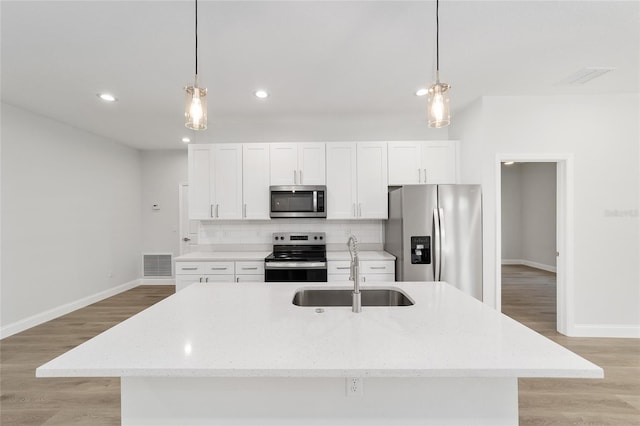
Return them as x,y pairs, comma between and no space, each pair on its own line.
318,401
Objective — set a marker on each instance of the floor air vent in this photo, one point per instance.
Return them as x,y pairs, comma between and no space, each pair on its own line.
157,265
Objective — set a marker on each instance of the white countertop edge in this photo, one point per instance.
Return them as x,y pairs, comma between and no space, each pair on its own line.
594,373
366,255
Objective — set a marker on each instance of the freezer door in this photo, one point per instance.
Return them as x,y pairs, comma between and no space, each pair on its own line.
418,205
461,235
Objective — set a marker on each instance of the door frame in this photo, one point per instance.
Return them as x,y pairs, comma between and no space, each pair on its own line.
564,232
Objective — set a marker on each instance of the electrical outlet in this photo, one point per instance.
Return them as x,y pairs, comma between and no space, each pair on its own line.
354,386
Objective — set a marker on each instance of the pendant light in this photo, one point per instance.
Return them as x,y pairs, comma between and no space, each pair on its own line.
438,99
195,111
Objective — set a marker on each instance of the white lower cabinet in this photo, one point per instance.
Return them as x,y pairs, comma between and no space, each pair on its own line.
250,272
188,273
370,270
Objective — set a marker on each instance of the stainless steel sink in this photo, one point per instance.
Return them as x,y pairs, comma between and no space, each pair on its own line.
342,297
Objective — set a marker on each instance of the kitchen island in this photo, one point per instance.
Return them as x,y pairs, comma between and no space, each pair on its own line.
220,354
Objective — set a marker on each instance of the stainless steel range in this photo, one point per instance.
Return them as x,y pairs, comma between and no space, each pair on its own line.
297,257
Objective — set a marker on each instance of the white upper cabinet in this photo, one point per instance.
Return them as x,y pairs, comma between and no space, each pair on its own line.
227,180
215,181
357,180
255,181
200,158
342,187
372,180
298,163
422,162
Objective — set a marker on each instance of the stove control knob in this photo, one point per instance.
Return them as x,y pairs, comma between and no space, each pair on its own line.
315,238
320,237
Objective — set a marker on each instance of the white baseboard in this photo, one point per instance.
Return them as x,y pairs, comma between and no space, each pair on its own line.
604,330
529,263
32,321
158,281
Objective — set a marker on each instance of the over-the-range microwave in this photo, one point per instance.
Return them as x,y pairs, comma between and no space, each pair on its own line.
298,201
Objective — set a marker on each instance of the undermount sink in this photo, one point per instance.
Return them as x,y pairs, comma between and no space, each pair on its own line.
342,297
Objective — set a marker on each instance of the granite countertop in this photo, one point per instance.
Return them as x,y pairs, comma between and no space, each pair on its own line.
254,330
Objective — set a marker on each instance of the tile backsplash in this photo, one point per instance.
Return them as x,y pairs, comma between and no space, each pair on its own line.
259,233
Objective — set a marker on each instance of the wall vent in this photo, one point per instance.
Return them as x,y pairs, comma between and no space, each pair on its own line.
157,265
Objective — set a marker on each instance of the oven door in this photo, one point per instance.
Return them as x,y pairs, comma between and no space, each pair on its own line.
295,272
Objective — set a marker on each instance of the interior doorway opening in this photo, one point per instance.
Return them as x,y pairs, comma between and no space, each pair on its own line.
533,241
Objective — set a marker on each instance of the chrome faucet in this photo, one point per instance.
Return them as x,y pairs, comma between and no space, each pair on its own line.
352,243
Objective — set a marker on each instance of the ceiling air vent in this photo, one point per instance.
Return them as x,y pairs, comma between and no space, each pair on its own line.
157,265
585,75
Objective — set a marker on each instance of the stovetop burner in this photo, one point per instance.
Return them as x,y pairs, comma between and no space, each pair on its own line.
299,247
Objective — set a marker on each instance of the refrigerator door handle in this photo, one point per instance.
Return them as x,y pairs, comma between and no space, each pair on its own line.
442,241
436,245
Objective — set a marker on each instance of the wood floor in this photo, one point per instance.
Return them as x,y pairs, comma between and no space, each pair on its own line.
528,296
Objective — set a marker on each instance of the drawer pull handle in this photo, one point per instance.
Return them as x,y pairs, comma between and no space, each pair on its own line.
220,269
250,269
188,269
343,267
378,267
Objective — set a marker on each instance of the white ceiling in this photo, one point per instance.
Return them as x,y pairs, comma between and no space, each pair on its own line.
316,58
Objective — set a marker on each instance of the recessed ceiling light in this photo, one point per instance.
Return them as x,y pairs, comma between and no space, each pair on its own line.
421,92
261,94
186,140
107,97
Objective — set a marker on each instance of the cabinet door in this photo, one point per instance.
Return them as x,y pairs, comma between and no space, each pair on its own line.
405,163
249,278
200,159
255,181
311,163
218,279
439,161
184,281
341,181
227,179
373,278
284,163
372,180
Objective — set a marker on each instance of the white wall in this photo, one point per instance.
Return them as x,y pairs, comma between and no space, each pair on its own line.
529,214
602,134
162,173
70,216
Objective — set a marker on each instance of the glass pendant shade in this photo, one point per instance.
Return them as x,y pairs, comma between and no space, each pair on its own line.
195,111
438,105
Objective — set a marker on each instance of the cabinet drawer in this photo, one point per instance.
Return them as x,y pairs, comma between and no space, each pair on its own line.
339,267
377,267
250,268
189,268
218,268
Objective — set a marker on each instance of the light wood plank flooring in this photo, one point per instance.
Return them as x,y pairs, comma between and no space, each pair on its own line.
25,400
528,296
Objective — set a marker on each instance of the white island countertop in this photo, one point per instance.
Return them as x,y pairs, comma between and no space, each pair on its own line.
254,330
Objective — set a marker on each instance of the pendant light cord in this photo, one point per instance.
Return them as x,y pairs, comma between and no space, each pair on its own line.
437,37
196,38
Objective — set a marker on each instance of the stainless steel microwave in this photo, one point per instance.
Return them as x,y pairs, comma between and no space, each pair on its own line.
298,201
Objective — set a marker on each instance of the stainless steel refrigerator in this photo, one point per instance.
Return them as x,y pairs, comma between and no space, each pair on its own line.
435,232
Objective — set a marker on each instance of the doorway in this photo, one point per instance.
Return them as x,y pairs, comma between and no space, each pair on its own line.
540,249
187,229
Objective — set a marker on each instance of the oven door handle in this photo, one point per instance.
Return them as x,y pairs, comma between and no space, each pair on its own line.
295,265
